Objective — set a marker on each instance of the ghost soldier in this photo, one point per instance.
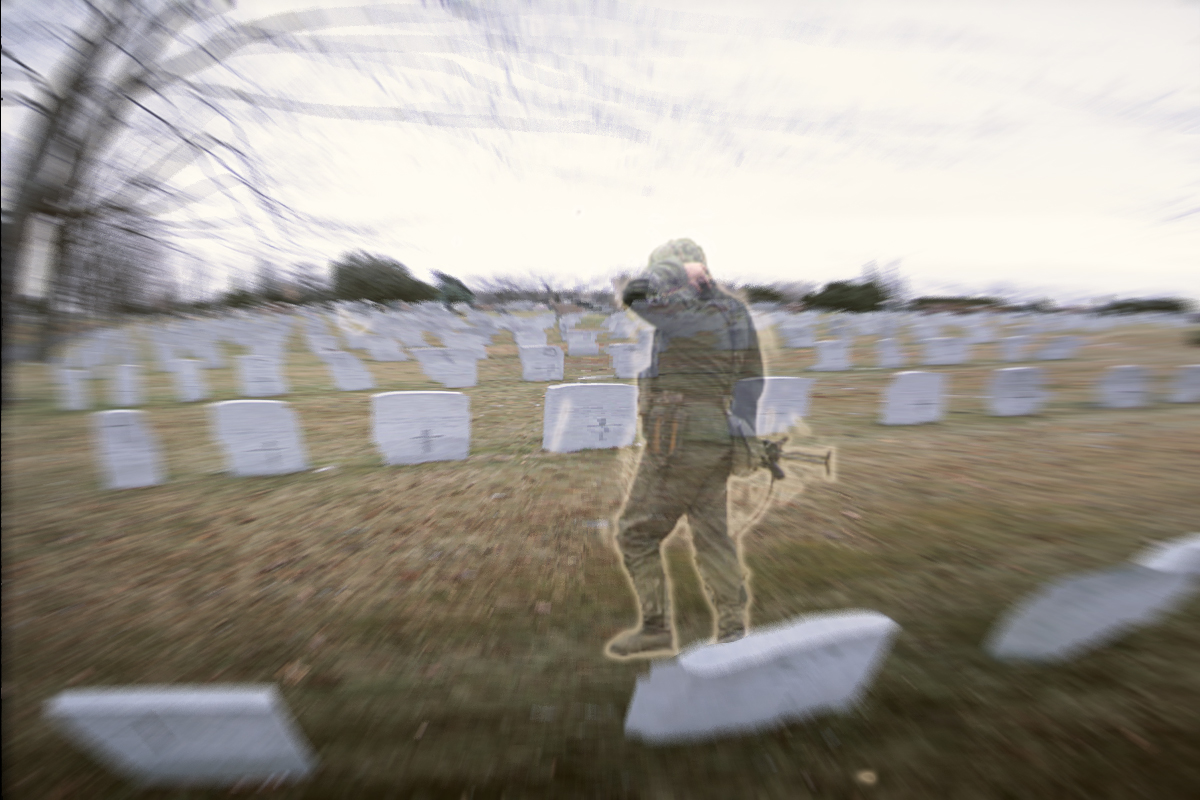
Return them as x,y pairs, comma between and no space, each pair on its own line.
704,342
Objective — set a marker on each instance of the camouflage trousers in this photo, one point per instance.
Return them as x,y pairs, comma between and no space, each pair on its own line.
689,479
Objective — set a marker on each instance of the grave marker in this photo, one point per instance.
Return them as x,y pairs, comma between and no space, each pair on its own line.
781,401
416,427
189,380
1124,387
73,389
913,398
259,437
186,735
127,385
1016,391
128,454
586,416
348,373
888,354
544,363
833,355
1186,387
814,664
259,376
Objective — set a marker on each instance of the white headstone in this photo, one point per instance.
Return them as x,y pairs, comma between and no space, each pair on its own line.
582,343
186,735
544,363
888,354
946,351
1069,617
799,333
384,348
415,427
349,374
1060,348
259,437
586,416
190,385
1016,391
1012,348
260,376
781,402
1177,555
127,385
128,454
833,355
815,664
629,359
1124,387
527,337
913,398
73,389
1186,388
455,369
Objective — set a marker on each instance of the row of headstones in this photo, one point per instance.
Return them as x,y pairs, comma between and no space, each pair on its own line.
262,376
263,437
834,355
808,666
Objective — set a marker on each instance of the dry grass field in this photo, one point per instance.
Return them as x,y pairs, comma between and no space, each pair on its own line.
437,629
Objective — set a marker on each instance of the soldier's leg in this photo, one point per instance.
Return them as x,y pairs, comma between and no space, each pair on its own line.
649,517
720,568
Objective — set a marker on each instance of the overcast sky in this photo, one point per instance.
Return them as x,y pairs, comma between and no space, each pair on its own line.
1049,146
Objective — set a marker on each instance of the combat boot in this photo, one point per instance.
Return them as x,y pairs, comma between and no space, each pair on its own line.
652,639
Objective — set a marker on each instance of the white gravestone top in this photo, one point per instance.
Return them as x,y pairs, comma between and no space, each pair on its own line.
814,664
1017,391
1186,388
1060,348
128,454
1177,555
416,427
260,376
888,354
186,735
586,416
913,398
544,363
385,348
582,342
127,385
455,369
527,337
1013,347
1068,617
1124,387
349,374
73,389
629,359
833,355
259,437
781,402
946,351
190,385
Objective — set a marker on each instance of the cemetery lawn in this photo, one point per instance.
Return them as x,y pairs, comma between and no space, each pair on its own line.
437,629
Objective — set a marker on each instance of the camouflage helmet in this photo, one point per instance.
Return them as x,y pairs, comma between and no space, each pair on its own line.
665,271
680,250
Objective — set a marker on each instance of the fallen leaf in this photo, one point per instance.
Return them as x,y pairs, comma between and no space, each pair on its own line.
852,515
542,608
866,777
293,673
421,730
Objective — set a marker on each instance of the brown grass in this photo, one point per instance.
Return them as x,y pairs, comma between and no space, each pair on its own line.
469,602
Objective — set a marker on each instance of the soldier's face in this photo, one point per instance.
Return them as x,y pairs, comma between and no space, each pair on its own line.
698,276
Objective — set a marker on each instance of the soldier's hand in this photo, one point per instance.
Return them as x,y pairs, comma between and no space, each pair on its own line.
635,291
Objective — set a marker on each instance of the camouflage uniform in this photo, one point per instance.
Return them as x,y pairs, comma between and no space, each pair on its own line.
704,343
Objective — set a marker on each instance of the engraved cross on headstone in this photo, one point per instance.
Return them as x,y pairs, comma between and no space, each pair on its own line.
601,427
426,438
